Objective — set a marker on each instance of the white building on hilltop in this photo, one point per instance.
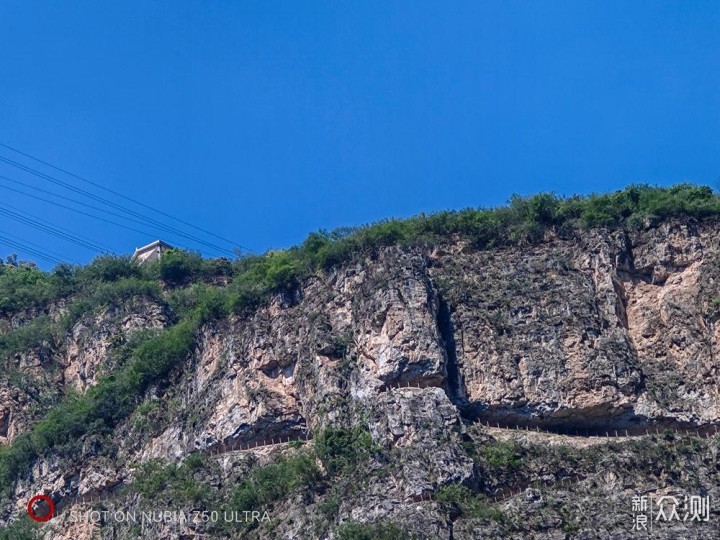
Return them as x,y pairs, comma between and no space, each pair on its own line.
151,252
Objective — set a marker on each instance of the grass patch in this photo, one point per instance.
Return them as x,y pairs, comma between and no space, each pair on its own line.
273,482
468,503
354,530
341,450
501,455
40,333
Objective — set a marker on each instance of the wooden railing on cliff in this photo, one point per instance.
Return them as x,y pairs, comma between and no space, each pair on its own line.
213,451
499,495
601,433
504,493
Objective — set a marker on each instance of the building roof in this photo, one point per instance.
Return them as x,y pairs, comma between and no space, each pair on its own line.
151,246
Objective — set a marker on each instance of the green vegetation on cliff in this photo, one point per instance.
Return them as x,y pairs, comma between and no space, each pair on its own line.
253,278
295,473
201,290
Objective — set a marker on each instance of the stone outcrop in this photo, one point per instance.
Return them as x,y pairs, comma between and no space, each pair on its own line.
607,330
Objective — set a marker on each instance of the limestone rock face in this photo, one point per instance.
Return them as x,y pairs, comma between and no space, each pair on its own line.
90,340
606,330
591,333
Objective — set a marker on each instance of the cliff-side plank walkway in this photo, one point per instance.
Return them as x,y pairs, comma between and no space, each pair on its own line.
212,451
507,492
597,435
496,428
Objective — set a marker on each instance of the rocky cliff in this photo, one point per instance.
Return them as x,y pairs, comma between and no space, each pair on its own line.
447,392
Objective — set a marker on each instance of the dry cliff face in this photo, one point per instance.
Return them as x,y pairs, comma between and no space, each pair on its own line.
21,387
91,339
612,330
43,372
282,370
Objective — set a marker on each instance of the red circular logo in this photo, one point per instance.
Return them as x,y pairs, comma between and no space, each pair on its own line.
51,508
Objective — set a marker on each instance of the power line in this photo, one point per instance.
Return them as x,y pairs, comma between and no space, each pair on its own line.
64,234
100,186
110,203
30,247
59,256
81,203
35,197
31,251
25,184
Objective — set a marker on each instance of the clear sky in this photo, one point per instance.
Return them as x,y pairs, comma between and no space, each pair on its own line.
264,121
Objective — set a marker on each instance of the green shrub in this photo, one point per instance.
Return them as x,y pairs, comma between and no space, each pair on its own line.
354,530
177,267
21,529
38,333
469,504
260,276
501,455
275,481
342,449
113,292
108,268
214,302
331,505
26,287
157,480
713,309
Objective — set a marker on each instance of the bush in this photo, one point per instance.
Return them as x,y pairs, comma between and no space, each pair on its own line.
354,530
213,302
713,309
158,480
38,333
501,455
113,292
21,529
108,268
342,449
273,482
177,267
26,287
469,504
260,276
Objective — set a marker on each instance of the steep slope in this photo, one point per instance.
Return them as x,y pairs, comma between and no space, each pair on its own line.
396,362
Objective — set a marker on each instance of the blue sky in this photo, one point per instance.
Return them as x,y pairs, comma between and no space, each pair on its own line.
265,121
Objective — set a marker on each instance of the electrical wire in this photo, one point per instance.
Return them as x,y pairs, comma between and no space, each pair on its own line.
64,234
85,193
35,197
31,251
123,196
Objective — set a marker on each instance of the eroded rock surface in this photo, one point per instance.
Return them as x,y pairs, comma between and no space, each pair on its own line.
610,330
